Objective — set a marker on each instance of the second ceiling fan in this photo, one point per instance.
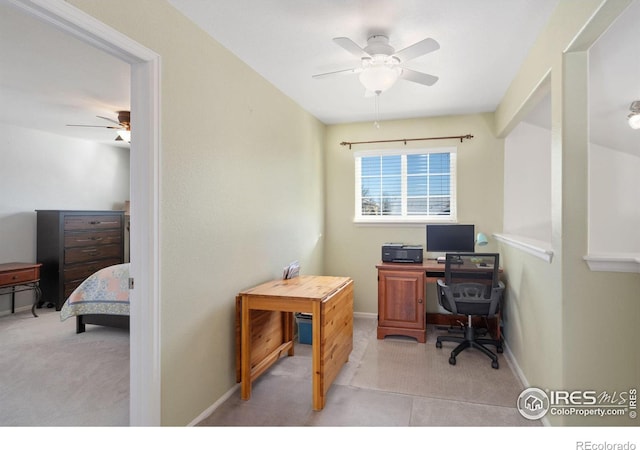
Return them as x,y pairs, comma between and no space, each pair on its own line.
122,125
381,65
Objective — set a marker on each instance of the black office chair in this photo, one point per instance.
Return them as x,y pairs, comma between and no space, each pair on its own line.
471,287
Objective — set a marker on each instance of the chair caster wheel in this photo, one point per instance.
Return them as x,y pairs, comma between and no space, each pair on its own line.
452,360
438,344
495,364
499,349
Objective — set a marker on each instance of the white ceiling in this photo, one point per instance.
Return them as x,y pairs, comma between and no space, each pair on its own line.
49,79
482,45
614,82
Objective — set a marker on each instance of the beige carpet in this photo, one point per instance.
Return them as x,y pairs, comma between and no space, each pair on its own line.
405,367
391,382
51,376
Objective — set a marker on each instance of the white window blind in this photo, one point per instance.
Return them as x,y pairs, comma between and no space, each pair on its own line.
405,185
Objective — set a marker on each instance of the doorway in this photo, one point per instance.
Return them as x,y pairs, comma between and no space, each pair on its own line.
144,402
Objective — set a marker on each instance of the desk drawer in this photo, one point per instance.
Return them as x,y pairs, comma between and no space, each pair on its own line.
19,276
92,238
92,222
85,254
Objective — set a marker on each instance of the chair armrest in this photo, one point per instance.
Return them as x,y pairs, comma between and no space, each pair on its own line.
445,297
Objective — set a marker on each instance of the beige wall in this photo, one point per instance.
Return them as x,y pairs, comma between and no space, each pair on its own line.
240,196
579,325
527,183
354,250
614,211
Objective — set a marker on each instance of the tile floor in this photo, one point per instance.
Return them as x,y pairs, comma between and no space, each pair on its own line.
391,382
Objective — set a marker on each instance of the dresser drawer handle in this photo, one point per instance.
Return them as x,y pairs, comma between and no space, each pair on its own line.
97,222
89,239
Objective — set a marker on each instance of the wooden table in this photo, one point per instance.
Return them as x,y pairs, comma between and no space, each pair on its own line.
328,299
18,277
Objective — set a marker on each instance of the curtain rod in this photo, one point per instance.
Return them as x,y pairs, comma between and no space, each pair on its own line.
461,137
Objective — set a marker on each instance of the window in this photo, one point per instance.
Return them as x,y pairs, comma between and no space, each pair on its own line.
406,185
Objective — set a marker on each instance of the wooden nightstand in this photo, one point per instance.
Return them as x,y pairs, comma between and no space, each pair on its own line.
18,277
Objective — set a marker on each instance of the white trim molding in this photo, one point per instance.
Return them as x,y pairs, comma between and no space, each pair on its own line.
614,262
536,248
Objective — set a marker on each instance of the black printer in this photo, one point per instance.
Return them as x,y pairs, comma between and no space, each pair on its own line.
401,253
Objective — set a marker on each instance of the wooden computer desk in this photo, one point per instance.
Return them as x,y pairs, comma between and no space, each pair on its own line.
265,328
405,284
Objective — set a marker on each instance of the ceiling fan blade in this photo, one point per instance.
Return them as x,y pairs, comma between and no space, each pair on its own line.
351,47
338,72
96,126
110,120
418,77
418,49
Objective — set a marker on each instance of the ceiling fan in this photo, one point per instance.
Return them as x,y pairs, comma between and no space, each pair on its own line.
122,125
381,65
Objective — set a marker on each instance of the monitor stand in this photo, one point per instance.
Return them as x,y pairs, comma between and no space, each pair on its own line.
443,260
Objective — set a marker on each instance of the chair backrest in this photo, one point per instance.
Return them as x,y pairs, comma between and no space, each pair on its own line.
473,268
472,284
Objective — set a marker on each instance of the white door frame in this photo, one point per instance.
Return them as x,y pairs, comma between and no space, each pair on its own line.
144,402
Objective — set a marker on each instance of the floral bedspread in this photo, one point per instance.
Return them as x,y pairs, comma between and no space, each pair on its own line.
104,292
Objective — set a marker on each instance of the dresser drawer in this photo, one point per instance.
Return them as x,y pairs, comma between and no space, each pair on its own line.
92,238
70,287
19,276
92,222
77,274
82,271
94,253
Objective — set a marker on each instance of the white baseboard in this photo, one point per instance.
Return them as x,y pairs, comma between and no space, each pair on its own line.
513,363
7,312
207,412
365,315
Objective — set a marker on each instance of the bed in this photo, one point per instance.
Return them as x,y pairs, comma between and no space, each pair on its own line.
101,299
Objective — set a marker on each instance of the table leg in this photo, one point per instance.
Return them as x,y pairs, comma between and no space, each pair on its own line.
38,296
316,347
13,300
288,330
245,352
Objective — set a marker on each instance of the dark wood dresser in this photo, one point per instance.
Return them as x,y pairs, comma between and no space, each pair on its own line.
71,245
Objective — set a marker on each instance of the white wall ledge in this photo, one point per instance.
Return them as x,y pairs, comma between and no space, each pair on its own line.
533,247
614,262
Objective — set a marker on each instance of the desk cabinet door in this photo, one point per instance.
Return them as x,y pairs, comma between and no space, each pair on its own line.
401,299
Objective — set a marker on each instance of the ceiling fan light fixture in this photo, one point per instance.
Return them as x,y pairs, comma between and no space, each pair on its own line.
379,74
634,117
125,135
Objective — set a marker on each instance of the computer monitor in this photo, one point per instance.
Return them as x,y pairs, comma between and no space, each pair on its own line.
450,238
